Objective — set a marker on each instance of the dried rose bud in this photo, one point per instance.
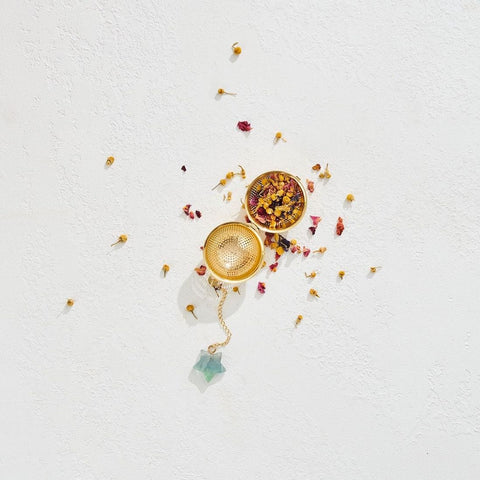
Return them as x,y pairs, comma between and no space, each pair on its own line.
315,219
310,186
191,215
261,287
244,126
201,270
340,226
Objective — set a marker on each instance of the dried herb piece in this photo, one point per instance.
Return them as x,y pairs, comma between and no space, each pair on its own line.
184,168
316,167
261,287
341,273
311,274
121,239
320,250
279,136
235,289
244,126
350,197
312,230
340,226
283,242
198,213
374,269
110,161
191,308
242,172
201,270
273,267
222,182
70,302
298,320
186,209
165,269
221,91
310,186
306,251
191,215
313,292
326,173
237,50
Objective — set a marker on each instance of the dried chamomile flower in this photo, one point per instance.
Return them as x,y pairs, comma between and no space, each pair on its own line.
165,270
261,287
70,302
350,197
191,308
201,270
340,226
121,239
237,50
374,269
235,289
320,250
221,91
110,161
314,293
279,136
341,273
311,274
222,182
298,320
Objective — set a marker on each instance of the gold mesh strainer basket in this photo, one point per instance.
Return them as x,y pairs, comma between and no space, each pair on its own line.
275,201
233,252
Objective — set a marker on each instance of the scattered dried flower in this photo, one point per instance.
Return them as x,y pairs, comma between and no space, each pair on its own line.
312,230
110,161
325,174
191,308
279,251
374,269
310,186
229,196
242,172
315,220
298,320
201,270
70,302
293,242
235,289
198,213
313,292
320,250
279,136
306,251
121,239
184,168
341,273
191,215
261,287
316,167
165,269
350,197
186,209
273,267
311,274
237,50
340,226
244,126
222,182
221,91
264,264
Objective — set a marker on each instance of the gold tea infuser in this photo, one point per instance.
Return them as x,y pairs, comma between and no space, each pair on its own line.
233,252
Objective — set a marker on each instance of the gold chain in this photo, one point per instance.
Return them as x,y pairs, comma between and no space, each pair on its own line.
213,348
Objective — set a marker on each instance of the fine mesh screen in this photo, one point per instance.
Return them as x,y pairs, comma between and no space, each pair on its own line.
233,252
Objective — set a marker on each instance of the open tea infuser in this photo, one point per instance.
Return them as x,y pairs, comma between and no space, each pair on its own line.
233,252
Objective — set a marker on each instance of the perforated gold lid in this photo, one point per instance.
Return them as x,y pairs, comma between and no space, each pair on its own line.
233,252
291,209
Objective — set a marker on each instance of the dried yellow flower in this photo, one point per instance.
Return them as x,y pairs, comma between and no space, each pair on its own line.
341,273
311,274
110,160
221,91
236,49
374,269
350,197
314,292
121,239
191,308
298,320
165,269
70,302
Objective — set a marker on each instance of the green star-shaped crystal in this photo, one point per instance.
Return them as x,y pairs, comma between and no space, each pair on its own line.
209,364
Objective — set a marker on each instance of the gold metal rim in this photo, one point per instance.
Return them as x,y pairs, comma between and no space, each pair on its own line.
254,220
242,278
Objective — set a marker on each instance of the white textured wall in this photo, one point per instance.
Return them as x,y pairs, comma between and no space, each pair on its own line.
382,378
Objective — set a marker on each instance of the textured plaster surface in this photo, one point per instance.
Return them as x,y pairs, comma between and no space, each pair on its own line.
381,380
